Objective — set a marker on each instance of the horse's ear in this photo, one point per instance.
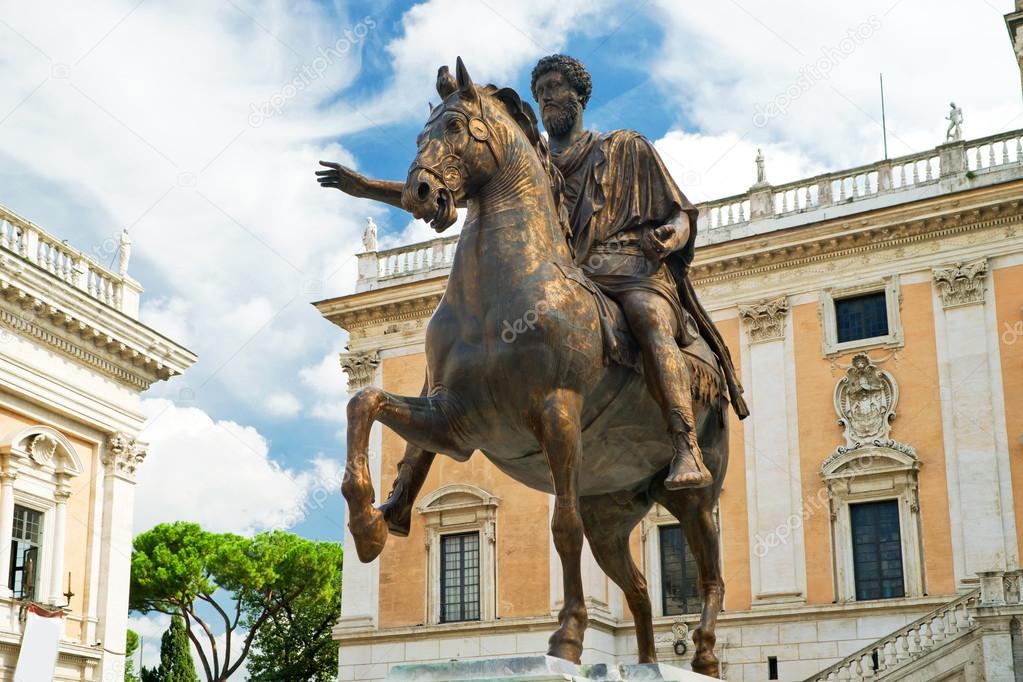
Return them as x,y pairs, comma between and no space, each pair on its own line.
445,82
464,80
521,112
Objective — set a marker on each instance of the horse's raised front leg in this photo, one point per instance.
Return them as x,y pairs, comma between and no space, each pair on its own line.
424,422
559,433
412,472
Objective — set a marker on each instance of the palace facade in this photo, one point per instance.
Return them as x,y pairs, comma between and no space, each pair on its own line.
872,511
74,359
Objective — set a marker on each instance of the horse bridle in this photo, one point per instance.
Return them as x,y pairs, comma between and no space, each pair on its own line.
450,170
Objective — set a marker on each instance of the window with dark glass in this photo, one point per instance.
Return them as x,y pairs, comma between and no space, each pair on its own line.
460,577
679,587
877,550
861,317
25,541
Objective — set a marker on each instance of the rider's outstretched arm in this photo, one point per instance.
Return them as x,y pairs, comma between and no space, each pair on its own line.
386,191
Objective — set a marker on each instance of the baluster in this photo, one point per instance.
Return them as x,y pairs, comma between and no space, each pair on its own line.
889,655
731,214
939,628
991,155
844,673
858,672
809,199
841,189
962,616
913,642
926,642
979,162
1019,150
1005,152
901,652
743,212
930,173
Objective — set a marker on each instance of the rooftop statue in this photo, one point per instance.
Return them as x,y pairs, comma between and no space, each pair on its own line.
581,247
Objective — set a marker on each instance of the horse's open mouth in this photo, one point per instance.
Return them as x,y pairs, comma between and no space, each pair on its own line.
446,211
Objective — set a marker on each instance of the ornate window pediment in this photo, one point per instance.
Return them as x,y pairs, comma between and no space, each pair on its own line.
44,447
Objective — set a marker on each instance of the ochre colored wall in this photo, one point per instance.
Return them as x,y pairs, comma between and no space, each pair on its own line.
917,422
523,587
1008,302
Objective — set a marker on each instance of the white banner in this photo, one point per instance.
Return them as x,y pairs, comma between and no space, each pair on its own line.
38,656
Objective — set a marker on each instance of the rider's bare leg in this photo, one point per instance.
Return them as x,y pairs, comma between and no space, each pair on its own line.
652,320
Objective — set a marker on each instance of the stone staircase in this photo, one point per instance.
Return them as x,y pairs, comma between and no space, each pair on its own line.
890,654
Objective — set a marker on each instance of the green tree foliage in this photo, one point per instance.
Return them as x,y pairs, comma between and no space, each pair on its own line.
295,642
131,647
180,569
175,655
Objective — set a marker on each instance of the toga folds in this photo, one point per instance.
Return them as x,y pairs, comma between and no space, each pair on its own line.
615,188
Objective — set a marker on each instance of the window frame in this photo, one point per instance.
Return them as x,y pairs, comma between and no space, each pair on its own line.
453,510
829,317
874,474
442,573
894,504
40,547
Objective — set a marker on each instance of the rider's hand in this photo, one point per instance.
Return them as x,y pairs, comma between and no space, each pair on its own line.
659,242
342,178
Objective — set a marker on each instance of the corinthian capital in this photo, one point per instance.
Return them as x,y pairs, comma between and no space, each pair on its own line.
962,283
360,368
123,455
765,321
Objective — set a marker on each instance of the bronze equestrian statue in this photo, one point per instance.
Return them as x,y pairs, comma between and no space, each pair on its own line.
582,423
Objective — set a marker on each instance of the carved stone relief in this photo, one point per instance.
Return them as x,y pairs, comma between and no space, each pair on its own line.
962,283
765,321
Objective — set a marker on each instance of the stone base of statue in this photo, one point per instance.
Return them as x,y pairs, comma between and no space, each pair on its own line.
538,669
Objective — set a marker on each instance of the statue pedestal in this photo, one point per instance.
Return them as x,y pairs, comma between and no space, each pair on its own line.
538,669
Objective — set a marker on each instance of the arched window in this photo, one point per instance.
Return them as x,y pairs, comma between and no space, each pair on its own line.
461,534
36,467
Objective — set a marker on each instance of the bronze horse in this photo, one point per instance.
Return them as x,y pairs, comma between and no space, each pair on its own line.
543,405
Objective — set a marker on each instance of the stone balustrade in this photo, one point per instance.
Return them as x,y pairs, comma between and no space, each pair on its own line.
752,212
29,242
900,648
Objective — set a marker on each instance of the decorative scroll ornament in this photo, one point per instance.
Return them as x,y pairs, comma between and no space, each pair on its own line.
765,321
962,283
124,455
360,368
865,399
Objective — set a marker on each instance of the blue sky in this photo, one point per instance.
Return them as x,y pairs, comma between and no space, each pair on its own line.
124,114
137,115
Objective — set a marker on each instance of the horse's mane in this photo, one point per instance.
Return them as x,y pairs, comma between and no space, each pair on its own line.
523,114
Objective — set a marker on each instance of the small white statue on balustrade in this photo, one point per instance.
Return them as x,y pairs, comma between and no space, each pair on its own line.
955,124
124,250
761,169
369,237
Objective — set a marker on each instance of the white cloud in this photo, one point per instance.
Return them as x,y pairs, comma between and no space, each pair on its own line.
283,405
219,474
710,167
725,63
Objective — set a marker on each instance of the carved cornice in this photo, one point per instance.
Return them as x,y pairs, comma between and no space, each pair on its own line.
810,244
961,283
360,368
765,321
123,455
136,358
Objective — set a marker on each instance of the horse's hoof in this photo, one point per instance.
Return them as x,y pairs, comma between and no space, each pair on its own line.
370,534
708,669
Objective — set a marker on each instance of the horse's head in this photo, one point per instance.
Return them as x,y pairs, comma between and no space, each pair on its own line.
462,146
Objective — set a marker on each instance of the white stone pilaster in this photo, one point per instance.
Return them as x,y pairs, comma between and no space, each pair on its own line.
360,590
61,495
121,456
7,476
973,423
777,549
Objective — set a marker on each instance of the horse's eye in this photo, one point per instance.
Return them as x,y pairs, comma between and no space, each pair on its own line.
454,124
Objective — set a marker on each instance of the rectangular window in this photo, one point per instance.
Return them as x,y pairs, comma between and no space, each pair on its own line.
25,542
877,550
861,317
460,577
679,588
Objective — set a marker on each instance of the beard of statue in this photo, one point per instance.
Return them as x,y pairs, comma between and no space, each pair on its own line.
559,120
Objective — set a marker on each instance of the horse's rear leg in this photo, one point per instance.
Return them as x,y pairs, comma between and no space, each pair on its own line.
557,428
608,523
423,422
